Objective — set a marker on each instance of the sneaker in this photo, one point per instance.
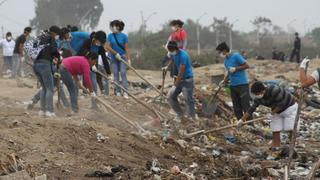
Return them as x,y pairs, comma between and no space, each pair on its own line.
118,94
41,113
50,114
125,95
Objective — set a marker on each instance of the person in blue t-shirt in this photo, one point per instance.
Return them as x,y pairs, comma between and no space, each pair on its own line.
236,67
183,82
118,41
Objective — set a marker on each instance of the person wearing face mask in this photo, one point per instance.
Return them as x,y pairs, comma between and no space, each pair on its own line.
283,108
183,81
180,36
43,68
18,53
96,44
118,42
236,66
64,43
7,47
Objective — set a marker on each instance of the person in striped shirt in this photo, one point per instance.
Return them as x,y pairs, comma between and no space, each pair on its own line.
283,108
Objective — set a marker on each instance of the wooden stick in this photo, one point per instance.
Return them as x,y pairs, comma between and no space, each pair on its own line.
294,132
313,170
138,74
222,128
131,95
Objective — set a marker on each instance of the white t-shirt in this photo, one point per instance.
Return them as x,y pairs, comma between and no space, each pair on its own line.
315,75
7,46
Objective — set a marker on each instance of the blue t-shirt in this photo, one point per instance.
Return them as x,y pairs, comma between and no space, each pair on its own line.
239,77
183,58
77,40
122,39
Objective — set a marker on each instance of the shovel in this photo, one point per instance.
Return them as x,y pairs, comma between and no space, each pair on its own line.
164,74
209,107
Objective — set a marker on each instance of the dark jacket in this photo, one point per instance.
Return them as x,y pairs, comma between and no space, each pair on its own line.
86,47
51,50
297,43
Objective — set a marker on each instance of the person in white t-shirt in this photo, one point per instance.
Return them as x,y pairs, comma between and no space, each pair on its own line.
8,45
308,80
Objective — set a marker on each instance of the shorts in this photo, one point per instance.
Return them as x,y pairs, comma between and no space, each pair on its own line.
285,120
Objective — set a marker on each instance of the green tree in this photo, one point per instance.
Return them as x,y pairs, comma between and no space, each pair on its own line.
82,13
315,36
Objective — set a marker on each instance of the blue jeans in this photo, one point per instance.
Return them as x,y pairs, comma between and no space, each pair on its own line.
67,79
105,81
43,71
120,69
93,76
16,65
7,63
64,100
186,87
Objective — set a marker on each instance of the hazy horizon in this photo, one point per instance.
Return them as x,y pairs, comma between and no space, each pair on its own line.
14,15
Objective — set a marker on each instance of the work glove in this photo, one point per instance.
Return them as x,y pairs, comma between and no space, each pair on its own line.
165,68
232,70
94,68
304,63
239,124
109,77
168,55
118,57
57,75
129,62
23,59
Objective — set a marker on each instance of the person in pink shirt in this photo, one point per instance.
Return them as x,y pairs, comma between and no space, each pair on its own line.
71,68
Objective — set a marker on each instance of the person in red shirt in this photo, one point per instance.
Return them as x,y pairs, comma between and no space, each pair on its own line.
180,36
71,68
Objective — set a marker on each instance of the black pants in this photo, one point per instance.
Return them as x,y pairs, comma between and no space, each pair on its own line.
295,52
240,99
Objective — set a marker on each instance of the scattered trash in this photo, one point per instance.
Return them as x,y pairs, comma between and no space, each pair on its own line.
175,170
101,138
153,166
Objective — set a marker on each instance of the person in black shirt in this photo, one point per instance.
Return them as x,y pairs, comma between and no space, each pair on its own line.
296,48
43,68
18,53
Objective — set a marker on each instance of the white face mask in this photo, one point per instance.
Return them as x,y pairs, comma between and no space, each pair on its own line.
173,53
56,37
114,29
98,44
9,38
222,55
173,28
260,96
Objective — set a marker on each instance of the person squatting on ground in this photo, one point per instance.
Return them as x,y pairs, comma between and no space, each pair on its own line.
183,82
118,42
310,79
283,109
18,53
8,45
236,66
43,68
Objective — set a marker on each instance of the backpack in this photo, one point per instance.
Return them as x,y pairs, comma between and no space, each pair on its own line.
34,46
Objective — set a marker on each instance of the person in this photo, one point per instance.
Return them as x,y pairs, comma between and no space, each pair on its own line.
296,48
180,36
236,66
43,70
118,42
64,43
8,45
283,107
71,68
77,39
96,44
183,82
308,80
18,53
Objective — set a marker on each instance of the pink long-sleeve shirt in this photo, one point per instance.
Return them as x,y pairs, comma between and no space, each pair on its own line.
79,65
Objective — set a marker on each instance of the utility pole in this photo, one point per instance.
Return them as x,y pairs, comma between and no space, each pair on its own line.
144,22
230,34
288,29
198,33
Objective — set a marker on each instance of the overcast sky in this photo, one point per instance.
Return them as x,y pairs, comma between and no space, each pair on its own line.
15,14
